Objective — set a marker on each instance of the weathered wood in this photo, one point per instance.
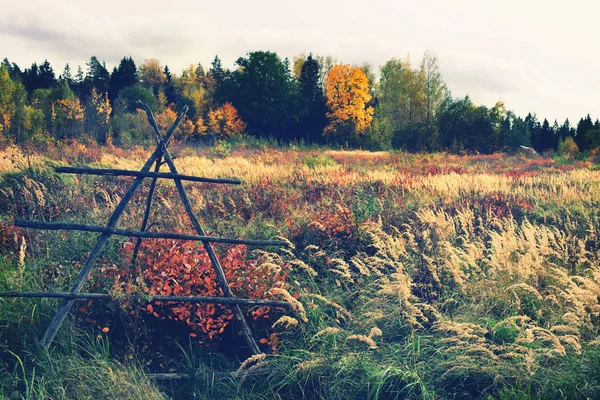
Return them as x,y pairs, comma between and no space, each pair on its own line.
155,175
150,298
54,226
239,316
138,242
65,306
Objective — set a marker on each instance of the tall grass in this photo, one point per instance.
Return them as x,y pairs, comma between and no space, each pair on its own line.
412,276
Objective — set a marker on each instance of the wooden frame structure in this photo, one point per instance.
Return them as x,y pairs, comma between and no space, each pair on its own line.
159,157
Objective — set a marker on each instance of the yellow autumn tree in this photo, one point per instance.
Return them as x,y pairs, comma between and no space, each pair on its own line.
225,122
151,74
67,116
347,94
97,116
191,85
7,106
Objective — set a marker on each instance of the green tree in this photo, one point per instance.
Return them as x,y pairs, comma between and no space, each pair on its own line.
123,76
593,139
465,126
515,132
535,128
403,103
46,76
435,90
7,105
97,77
313,118
19,99
548,139
264,94
581,134
67,75
39,77
151,75
568,148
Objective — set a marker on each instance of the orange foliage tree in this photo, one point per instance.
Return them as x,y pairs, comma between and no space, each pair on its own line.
225,122
347,94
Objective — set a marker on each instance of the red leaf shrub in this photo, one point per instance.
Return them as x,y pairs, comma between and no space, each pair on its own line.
171,267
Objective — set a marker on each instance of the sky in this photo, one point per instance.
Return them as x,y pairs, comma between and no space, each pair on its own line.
535,56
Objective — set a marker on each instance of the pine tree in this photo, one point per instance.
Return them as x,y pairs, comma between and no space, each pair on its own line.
583,127
313,118
66,75
97,76
169,89
548,140
46,77
123,76
534,128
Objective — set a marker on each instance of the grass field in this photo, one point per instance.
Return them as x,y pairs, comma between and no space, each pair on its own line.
431,276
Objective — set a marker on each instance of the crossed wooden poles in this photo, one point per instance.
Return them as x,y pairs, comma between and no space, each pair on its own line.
156,159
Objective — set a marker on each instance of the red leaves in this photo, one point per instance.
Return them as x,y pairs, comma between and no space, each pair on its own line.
172,267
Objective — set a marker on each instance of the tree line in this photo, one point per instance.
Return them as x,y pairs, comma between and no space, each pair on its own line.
314,99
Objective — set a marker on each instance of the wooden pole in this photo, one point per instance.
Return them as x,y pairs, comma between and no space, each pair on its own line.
150,299
155,175
54,226
239,316
65,306
138,243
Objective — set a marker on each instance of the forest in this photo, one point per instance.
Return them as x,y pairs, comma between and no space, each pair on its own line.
310,99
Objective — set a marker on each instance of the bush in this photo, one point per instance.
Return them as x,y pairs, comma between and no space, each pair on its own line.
171,267
568,148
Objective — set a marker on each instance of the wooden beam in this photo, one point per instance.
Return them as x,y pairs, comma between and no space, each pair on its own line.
151,235
155,175
150,299
138,242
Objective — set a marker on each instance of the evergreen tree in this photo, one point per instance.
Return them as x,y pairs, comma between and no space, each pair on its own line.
534,128
583,127
78,82
263,93
313,118
566,130
464,126
66,75
14,72
46,77
217,76
97,76
200,74
30,78
548,140
123,76
170,93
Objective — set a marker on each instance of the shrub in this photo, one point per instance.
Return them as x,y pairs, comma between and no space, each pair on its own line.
171,267
568,148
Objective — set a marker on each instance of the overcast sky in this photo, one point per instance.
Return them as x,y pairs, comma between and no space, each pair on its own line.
540,56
